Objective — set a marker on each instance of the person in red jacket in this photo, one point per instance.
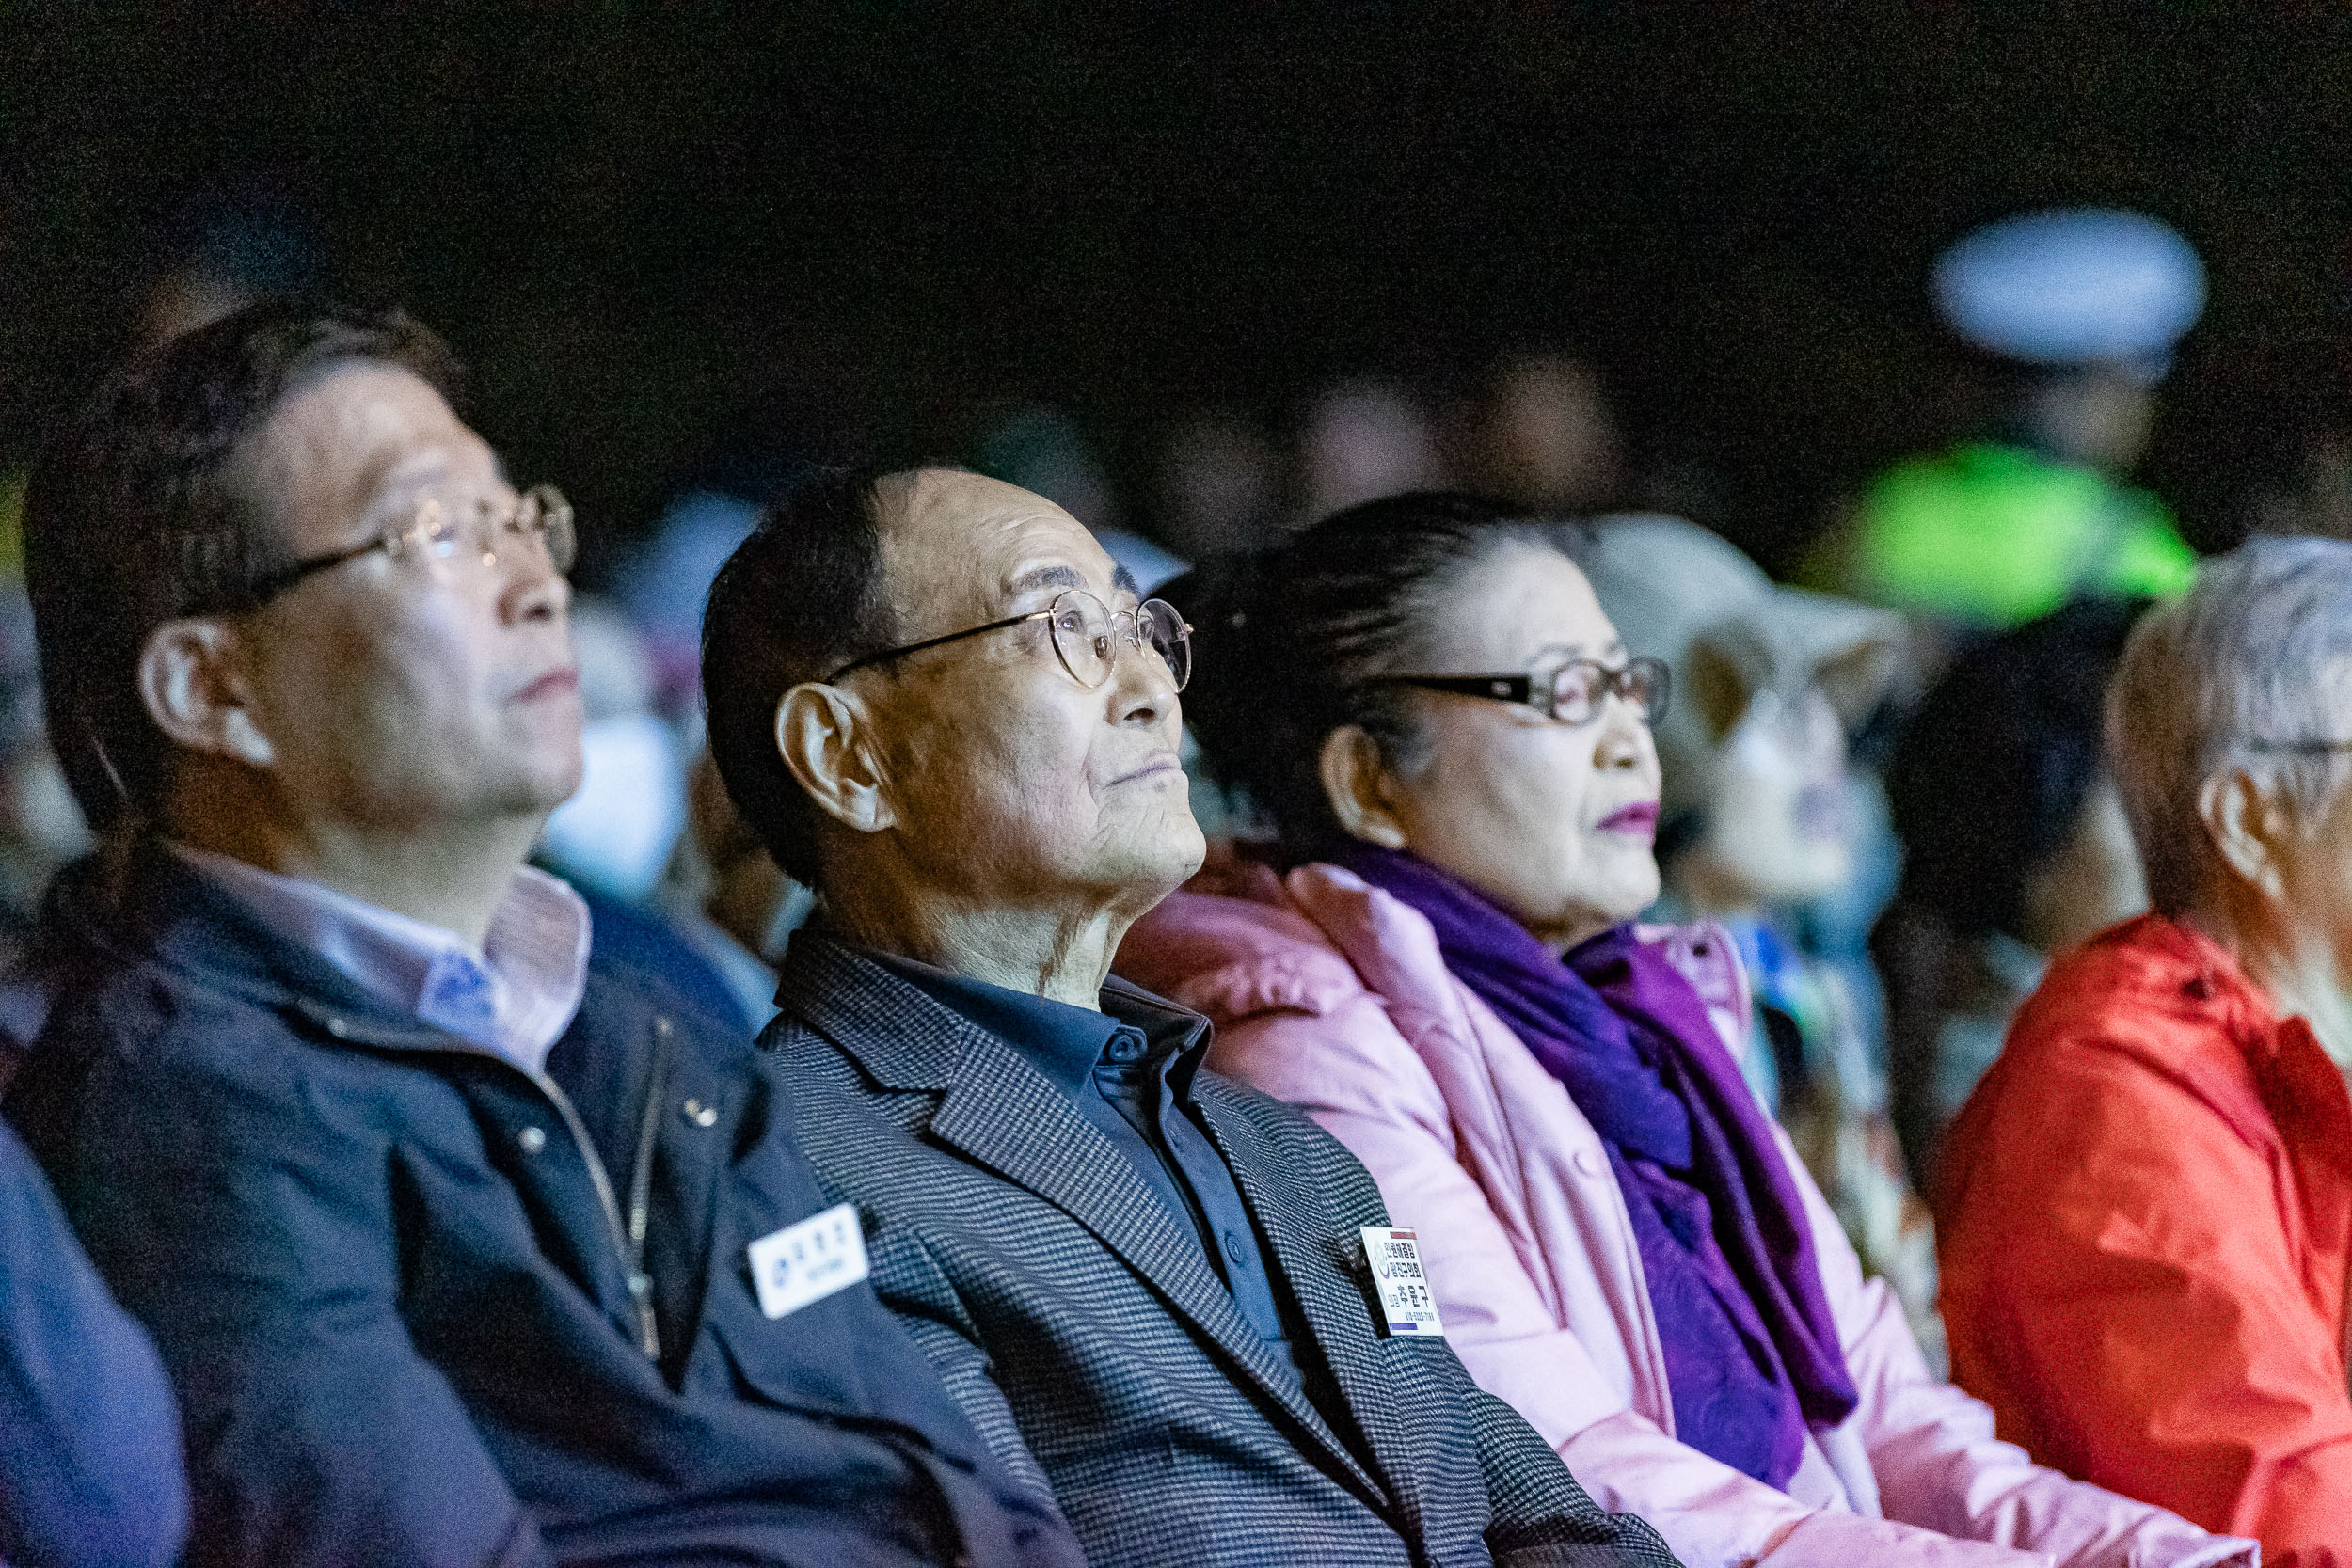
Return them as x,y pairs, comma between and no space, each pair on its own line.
2148,1202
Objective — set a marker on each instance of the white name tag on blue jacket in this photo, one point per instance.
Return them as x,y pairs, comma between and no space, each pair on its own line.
1403,1289
808,1261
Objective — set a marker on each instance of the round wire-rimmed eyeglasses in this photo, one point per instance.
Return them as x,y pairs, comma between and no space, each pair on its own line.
437,531
1086,634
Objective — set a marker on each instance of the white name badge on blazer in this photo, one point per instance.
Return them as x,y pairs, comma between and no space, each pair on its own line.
808,1261
1402,1284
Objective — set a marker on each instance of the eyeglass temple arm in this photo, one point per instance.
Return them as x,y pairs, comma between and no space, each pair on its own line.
1510,689
270,584
933,642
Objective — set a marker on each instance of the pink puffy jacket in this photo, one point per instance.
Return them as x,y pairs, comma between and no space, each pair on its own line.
1331,995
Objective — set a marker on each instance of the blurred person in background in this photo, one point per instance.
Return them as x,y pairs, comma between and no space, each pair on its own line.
1438,962
614,836
724,893
1360,440
460,1241
1221,488
91,1474
1219,485
41,832
2080,310
1042,451
234,241
1761,816
661,583
615,839
2015,849
1545,438
815,406
2147,1204
2312,492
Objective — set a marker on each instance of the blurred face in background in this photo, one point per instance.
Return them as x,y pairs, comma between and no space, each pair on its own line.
1219,478
1363,440
1551,821
1549,439
2093,881
1778,811
2098,415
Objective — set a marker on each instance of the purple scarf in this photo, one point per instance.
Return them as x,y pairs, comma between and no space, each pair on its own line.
1751,1352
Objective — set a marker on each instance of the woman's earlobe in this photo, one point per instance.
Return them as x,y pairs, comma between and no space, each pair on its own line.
1355,784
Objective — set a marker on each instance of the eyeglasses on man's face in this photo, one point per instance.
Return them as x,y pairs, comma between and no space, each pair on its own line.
1570,692
441,538
1086,635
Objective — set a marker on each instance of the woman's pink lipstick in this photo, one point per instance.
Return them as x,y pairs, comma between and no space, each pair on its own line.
1639,818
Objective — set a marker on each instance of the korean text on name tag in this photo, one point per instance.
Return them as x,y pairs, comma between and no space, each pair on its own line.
808,1261
1403,1286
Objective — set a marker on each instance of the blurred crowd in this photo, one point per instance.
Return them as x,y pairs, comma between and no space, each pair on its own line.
1888,810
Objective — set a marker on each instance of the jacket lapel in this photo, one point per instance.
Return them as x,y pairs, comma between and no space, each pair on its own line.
1324,1260
1003,1113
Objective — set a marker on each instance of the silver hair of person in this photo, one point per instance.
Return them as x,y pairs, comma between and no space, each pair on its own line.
2246,671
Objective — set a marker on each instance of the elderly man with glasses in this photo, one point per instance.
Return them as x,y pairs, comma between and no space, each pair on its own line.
2148,1201
1170,1300
460,1247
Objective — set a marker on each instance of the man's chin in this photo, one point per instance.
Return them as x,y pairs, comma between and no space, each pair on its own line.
536,786
1169,862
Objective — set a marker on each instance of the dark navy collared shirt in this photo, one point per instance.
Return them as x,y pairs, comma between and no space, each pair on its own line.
1130,1073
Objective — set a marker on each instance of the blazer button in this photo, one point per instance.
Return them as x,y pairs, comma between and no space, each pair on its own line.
533,1139
1589,1161
700,1114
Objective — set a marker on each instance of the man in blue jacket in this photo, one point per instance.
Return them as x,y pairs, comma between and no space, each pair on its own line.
459,1248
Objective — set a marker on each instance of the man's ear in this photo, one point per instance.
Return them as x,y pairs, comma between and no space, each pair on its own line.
2248,826
1356,782
193,681
823,735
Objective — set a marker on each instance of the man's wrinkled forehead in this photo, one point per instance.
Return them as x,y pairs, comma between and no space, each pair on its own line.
964,546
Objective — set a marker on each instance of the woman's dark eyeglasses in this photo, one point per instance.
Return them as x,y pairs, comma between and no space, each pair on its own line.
1572,693
437,533
1086,634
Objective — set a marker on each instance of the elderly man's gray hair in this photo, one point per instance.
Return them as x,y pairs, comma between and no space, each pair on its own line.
2244,672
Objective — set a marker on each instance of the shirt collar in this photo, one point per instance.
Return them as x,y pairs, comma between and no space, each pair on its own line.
1062,1042
516,995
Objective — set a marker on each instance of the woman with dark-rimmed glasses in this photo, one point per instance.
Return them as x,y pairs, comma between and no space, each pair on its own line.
1438,961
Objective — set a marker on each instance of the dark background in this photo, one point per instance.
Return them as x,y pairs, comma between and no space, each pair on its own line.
646,224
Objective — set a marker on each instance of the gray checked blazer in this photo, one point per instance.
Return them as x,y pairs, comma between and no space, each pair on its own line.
1095,1349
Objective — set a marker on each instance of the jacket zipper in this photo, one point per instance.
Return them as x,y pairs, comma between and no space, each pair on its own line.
641,1184
629,1235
